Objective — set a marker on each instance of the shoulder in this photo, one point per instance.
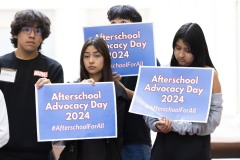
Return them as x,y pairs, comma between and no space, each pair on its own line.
216,83
120,91
49,60
216,86
7,56
7,60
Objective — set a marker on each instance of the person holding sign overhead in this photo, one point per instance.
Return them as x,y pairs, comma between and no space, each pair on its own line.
188,140
136,135
95,66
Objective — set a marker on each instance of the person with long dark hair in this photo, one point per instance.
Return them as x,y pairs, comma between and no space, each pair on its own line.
95,66
188,140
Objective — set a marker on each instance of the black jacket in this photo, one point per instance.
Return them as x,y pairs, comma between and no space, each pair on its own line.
100,149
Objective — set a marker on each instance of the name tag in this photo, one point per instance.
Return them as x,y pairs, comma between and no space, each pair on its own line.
8,75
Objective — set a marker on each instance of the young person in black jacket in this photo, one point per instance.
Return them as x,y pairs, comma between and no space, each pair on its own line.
95,66
22,68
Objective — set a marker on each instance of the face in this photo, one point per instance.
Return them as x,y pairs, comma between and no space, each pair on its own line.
118,20
183,54
29,40
93,62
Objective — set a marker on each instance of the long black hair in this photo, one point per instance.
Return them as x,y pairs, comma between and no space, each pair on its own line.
193,36
102,47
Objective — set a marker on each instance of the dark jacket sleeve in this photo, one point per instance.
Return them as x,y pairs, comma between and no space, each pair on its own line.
123,104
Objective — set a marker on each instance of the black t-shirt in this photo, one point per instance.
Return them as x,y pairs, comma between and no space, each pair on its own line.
20,102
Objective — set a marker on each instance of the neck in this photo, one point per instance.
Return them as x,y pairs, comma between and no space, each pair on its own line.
95,77
26,55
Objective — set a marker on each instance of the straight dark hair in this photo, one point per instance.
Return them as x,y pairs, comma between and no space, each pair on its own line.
193,37
102,47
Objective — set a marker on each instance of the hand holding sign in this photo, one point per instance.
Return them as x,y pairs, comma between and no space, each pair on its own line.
179,93
76,111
